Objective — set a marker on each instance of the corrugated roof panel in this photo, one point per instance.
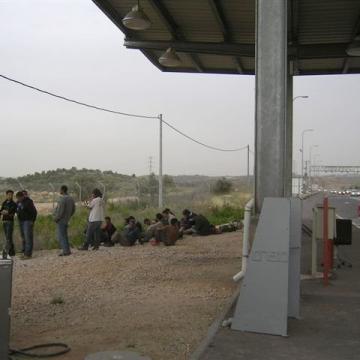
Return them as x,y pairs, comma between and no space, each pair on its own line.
241,18
327,21
217,62
320,64
196,19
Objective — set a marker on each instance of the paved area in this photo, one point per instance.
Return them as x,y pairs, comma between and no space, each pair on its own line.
330,324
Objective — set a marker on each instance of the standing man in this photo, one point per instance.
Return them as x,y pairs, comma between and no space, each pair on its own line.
8,210
63,212
27,214
96,217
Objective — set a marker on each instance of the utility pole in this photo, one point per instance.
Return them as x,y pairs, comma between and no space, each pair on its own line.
150,165
79,186
161,162
53,194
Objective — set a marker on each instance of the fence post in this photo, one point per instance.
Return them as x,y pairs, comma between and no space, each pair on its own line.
326,240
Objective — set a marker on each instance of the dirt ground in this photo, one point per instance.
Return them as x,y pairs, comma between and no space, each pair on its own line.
158,301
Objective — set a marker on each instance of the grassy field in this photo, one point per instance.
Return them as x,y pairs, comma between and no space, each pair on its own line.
218,209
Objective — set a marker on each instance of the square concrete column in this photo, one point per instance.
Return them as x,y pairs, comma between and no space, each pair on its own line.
271,100
289,135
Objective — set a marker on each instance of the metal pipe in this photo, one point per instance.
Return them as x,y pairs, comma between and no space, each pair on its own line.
246,242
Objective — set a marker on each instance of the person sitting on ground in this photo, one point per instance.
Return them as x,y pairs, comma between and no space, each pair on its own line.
107,231
168,215
200,225
171,233
131,233
187,222
151,232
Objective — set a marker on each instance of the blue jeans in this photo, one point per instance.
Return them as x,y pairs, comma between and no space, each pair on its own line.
27,230
9,243
62,235
93,234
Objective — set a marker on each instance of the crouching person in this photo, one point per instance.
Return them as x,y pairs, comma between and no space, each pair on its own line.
170,233
107,232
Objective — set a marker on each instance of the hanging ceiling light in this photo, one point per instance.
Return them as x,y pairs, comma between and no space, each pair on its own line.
354,47
136,19
170,58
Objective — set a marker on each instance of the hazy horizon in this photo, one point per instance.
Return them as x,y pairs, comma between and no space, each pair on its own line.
71,48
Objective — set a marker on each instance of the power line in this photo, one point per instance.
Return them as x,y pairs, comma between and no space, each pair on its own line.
120,113
201,143
77,102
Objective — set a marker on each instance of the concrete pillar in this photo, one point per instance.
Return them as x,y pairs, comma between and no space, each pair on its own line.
289,135
271,99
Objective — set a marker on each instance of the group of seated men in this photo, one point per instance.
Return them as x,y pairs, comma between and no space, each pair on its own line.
165,228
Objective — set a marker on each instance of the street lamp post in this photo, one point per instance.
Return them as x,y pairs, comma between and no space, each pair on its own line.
300,97
311,163
302,156
302,151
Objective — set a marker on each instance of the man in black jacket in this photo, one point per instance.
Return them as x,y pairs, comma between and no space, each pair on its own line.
26,213
8,210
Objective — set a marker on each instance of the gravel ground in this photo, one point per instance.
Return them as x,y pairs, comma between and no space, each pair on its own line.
157,301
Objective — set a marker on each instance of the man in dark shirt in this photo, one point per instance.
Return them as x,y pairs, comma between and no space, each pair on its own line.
195,224
107,232
27,214
8,210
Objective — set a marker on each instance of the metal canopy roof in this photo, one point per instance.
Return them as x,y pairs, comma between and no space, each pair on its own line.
218,36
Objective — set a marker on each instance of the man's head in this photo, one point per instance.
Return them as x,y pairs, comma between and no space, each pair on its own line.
25,193
96,193
20,196
186,212
128,219
108,219
159,217
9,194
174,222
63,190
147,222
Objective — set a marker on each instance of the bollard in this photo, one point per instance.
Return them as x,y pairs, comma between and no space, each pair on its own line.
5,305
326,242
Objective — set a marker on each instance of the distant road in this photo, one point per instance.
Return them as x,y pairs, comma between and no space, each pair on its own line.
346,208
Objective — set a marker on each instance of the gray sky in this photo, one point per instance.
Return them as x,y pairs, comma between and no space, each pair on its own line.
71,48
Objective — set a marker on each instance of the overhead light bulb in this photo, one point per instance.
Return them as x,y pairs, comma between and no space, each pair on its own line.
354,47
170,58
136,19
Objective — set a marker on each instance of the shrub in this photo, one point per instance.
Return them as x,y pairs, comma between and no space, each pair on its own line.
222,186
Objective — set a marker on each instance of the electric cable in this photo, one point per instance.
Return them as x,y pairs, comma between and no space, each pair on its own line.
120,113
201,143
28,352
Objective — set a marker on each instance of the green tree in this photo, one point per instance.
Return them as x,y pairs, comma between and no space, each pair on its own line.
222,186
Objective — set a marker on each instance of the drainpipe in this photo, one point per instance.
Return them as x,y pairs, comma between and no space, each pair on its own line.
246,235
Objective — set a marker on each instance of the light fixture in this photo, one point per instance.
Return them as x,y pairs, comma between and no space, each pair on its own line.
170,58
136,19
354,47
